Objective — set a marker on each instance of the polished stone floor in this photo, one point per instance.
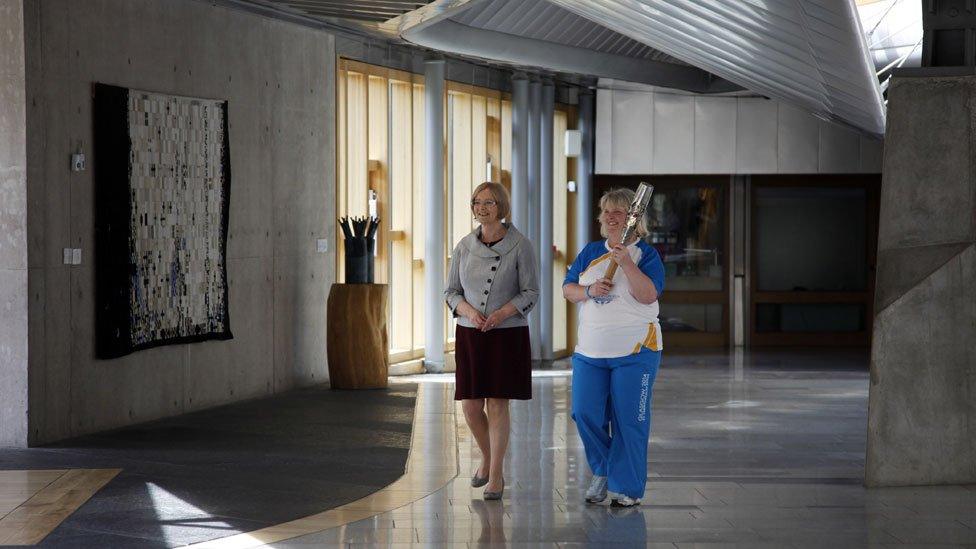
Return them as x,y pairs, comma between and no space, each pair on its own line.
761,449
750,450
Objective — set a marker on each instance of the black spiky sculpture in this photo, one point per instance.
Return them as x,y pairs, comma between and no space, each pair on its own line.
359,235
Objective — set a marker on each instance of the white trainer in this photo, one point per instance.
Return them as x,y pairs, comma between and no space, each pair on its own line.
597,491
620,500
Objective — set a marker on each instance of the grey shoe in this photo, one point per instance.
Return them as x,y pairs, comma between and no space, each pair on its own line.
495,495
478,482
597,491
620,500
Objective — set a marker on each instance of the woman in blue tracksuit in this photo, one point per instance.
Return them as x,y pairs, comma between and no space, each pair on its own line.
617,354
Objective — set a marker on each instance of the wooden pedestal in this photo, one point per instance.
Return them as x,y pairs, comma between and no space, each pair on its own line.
358,347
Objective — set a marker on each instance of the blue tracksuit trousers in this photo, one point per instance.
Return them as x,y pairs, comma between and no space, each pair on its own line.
612,410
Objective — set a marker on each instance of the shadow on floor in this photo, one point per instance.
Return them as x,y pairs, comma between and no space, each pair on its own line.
232,469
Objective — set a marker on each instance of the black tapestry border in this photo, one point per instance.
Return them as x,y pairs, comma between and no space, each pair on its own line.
114,271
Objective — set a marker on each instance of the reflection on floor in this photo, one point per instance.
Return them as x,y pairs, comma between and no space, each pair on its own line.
749,450
760,449
432,464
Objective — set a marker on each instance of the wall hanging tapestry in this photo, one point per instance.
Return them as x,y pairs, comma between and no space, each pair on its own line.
162,193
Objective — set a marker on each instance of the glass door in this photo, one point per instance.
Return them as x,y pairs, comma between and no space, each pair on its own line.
688,220
813,257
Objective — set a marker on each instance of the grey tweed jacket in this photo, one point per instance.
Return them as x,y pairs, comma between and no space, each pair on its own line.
489,278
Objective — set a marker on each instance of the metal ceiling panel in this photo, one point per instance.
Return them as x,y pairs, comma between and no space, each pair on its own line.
871,156
604,131
838,148
674,133
633,145
542,20
532,54
360,10
532,37
808,52
714,132
756,125
798,142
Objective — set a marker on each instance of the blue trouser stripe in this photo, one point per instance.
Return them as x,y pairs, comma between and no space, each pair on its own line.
612,410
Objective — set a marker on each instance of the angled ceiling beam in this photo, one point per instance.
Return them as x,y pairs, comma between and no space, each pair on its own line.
811,53
381,3
430,13
397,9
277,10
348,15
452,37
325,10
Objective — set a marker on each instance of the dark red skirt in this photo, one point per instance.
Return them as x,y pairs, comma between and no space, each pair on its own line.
493,364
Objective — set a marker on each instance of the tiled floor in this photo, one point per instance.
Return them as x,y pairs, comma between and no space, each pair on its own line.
750,450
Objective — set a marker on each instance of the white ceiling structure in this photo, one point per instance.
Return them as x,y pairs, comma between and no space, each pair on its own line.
538,35
811,53
562,26
893,29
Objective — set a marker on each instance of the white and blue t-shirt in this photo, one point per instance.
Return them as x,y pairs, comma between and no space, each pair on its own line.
617,325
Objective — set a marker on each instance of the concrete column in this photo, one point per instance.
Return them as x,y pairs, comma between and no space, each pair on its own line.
13,226
535,143
435,248
520,152
545,220
535,124
922,397
584,170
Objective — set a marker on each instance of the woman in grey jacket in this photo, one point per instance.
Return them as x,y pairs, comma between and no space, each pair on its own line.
492,285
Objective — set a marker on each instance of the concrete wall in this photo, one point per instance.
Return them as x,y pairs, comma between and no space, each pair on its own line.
643,130
13,227
279,81
922,400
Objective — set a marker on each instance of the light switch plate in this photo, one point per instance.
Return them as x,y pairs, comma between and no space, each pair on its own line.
76,256
322,245
67,256
78,162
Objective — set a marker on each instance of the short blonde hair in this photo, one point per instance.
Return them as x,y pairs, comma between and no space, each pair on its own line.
499,193
620,198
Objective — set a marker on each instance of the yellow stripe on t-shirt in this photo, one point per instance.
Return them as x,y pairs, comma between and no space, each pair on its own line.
650,340
595,262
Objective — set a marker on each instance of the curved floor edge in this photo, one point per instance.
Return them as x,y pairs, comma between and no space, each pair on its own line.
432,462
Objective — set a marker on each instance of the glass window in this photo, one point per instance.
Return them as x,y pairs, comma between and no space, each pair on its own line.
380,153
687,227
810,317
401,296
560,234
810,239
460,169
687,317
